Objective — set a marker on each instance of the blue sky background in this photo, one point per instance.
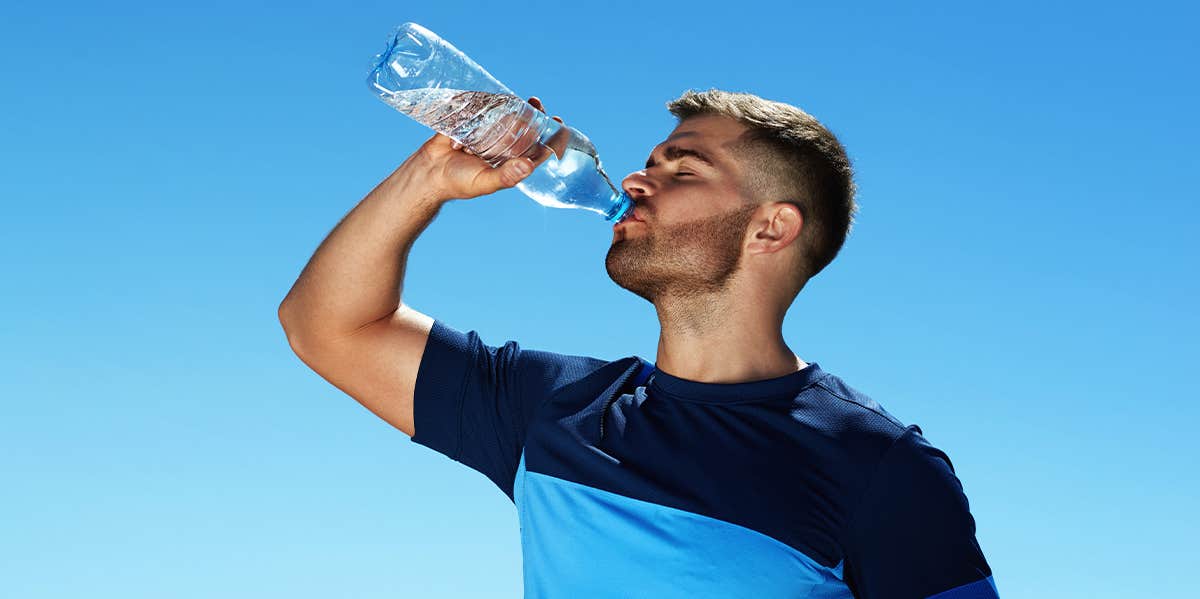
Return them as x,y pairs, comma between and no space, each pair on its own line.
1021,281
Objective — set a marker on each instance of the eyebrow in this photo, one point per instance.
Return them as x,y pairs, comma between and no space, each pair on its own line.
676,153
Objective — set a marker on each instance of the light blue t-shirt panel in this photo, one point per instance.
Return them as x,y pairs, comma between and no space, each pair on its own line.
622,547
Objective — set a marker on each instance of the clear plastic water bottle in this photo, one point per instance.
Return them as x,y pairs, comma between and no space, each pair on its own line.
426,78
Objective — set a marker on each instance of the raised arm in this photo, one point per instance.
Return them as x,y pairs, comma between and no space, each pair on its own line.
344,316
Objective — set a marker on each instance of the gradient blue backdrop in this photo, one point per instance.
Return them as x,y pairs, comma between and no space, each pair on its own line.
1021,281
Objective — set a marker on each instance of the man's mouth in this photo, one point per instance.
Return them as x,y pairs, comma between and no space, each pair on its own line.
632,216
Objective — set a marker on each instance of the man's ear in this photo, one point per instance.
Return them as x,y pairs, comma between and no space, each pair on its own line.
774,227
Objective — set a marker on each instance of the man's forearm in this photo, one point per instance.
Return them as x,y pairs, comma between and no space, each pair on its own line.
356,275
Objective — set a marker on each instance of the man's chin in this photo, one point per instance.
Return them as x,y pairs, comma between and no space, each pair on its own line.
626,275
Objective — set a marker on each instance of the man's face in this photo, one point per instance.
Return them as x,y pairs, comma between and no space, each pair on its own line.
692,212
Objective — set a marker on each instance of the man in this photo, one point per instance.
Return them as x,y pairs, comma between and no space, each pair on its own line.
729,467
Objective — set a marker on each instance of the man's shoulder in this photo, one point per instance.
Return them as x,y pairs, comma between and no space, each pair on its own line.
531,368
582,376
860,425
856,407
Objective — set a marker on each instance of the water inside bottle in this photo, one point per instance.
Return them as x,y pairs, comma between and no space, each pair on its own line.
453,112
494,126
473,118
569,182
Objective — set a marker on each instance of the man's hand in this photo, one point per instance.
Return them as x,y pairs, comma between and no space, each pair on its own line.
450,172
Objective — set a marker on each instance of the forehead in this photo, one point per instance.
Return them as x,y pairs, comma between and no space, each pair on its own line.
713,131
709,135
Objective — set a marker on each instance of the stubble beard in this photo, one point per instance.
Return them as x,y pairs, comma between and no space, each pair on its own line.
686,260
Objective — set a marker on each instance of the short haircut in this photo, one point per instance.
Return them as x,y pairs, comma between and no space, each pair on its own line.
792,158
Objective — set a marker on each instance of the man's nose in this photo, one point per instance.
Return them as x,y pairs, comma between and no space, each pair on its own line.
638,185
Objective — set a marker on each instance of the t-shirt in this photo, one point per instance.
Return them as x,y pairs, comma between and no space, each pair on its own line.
631,482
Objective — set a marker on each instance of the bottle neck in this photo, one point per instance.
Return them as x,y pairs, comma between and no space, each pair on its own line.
622,207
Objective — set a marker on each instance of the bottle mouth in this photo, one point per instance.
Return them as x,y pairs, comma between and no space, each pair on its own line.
622,209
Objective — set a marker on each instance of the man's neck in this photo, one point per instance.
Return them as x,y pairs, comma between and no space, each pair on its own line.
706,339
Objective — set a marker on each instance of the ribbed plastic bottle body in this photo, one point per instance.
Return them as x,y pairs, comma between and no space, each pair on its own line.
431,81
495,127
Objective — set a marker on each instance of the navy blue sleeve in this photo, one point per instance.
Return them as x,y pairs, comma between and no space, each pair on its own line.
912,536
473,402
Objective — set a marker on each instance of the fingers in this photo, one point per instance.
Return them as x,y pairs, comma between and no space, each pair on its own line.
442,138
516,170
537,103
513,171
558,142
542,154
533,101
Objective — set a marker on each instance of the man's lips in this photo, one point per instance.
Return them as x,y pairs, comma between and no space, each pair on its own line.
633,216
636,214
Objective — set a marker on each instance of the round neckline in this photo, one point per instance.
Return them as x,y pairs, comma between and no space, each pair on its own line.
688,390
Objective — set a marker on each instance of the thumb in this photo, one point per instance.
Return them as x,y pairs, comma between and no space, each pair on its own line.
510,173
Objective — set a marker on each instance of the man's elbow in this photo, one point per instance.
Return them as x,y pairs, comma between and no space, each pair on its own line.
290,329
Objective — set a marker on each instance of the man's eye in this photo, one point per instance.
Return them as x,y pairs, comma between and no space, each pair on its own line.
683,174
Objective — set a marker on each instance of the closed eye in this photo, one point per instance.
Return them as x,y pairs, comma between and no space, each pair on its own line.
683,174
